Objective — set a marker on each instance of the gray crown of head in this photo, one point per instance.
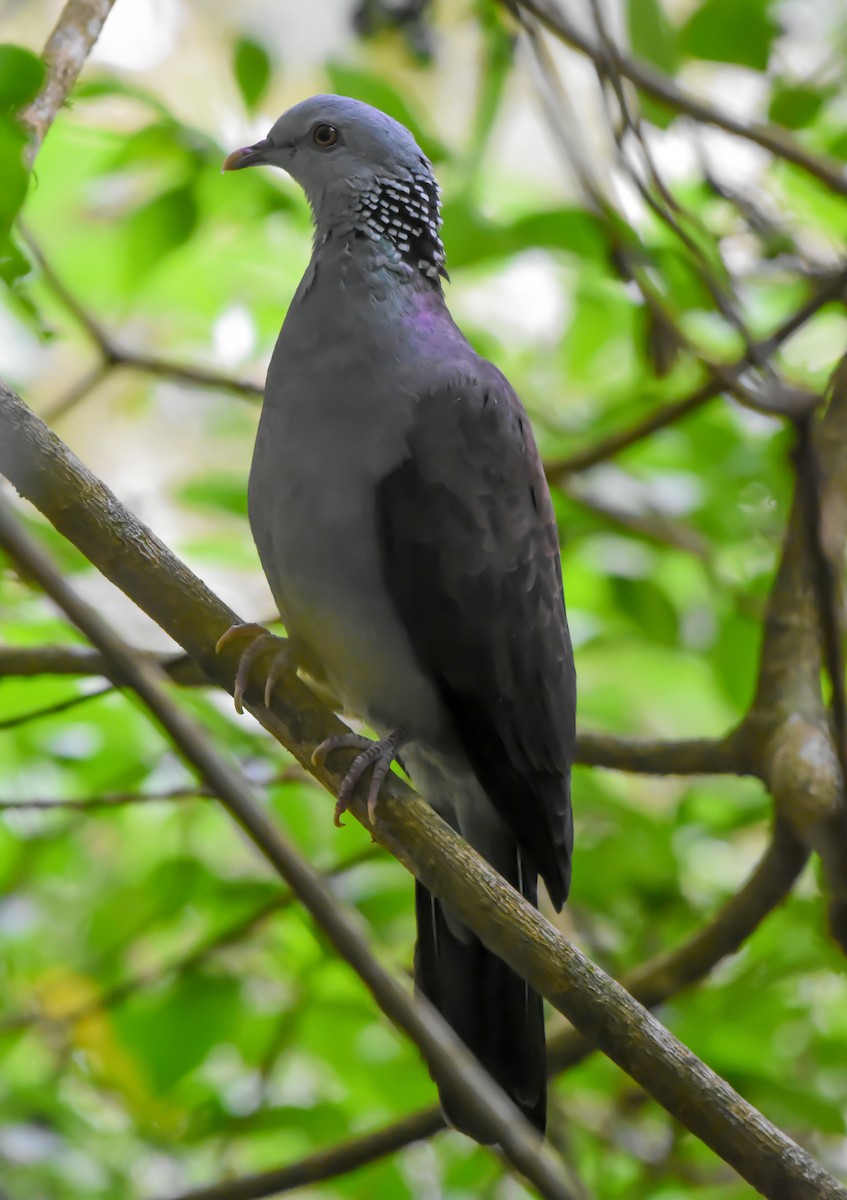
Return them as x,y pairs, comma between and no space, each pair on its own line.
363,173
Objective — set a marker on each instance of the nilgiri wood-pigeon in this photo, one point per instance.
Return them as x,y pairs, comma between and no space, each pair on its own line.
404,523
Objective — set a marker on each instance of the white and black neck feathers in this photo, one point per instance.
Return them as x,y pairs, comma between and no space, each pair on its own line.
406,212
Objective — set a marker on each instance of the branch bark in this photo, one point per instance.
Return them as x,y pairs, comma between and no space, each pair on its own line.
68,46
79,505
29,661
798,752
652,983
447,1056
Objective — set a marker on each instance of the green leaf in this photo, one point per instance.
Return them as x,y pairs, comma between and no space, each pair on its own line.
21,73
13,173
796,107
173,1030
158,228
252,67
651,35
730,31
217,491
652,38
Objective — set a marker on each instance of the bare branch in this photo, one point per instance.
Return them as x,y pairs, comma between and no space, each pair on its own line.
445,1053
728,755
108,800
29,661
777,399
81,507
664,89
691,756
68,46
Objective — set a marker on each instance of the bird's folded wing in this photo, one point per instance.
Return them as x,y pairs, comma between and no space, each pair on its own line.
470,551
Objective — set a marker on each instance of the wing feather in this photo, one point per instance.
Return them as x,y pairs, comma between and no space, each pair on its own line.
471,558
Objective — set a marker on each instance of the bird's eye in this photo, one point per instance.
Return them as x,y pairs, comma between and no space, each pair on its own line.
325,136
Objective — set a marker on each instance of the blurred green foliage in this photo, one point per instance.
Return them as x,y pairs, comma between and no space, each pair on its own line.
166,1020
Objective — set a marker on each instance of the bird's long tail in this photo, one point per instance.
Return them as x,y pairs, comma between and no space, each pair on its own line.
495,1013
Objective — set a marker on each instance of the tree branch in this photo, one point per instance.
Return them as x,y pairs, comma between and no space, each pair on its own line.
68,46
79,505
652,983
326,1164
29,661
799,756
664,89
728,755
447,1056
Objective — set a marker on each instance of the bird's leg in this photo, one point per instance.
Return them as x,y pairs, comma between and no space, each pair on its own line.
380,754
262,642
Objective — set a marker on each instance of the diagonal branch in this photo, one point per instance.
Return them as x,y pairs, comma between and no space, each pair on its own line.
113,354
79,505
652,983
68,46
447,1056
337,1160
582,460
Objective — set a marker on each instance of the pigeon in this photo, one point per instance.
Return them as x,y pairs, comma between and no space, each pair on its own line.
402,517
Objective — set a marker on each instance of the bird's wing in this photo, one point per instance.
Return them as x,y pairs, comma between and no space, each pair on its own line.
471,558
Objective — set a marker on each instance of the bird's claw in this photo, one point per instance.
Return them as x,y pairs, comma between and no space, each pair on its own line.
379,754
261,643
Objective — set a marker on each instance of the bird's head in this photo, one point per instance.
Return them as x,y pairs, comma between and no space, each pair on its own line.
361,171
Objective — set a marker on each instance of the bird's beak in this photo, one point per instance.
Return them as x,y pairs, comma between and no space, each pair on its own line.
248,156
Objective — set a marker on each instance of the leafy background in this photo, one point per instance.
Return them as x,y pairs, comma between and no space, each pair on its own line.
167,1018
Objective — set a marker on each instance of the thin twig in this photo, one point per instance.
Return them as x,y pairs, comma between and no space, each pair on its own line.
664,89
52,710
669,414
115,355
778,399
339,1159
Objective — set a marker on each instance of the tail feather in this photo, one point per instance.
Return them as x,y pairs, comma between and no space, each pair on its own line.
495,1013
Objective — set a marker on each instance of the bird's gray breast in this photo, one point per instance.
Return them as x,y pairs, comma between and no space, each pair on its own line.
334,423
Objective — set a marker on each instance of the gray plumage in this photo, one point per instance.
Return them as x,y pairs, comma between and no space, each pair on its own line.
404,523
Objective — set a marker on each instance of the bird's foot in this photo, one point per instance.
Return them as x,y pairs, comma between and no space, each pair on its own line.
262,642
379,754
